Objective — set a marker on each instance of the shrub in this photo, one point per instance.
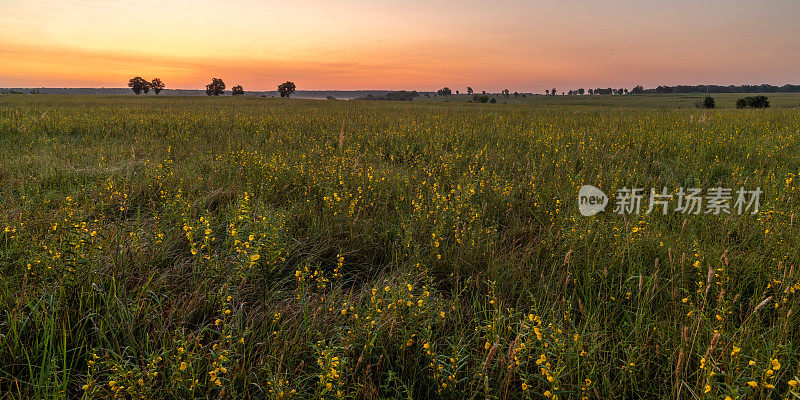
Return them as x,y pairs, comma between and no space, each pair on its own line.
708,102
480,98
400,95
753,102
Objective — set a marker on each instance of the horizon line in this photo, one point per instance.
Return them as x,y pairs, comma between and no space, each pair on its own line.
390,90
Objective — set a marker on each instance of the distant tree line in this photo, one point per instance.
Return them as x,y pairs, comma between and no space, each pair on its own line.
217,88
765,88
664,89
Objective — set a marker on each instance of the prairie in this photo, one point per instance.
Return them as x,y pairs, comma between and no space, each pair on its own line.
192,247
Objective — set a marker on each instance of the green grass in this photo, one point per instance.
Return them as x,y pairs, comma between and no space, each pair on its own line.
270,248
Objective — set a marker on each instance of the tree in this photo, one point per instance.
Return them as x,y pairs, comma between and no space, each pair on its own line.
138,85
469,90
157,85
286,89
456,91
637,90
216,87
591,92
547,92
445,91
237,90
581,91
553,92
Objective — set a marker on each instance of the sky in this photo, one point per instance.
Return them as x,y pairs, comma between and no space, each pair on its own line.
525,46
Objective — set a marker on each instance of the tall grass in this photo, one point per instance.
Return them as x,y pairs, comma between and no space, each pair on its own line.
229,248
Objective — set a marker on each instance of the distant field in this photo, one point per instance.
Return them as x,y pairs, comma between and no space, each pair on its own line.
195,247
723,100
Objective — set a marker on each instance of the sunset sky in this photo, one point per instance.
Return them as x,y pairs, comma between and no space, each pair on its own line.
381,44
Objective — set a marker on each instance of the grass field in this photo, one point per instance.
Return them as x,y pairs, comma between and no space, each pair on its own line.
666,101
266,248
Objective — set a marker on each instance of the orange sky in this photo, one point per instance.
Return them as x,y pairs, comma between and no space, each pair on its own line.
380,44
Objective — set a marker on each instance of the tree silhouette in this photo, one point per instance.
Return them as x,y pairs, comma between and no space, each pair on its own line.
286,89
237,90
547,92
157,85
138,85
216,87
469,90
553,92
445,91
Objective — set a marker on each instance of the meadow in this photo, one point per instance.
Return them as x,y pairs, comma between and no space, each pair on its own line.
663,101
177,247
